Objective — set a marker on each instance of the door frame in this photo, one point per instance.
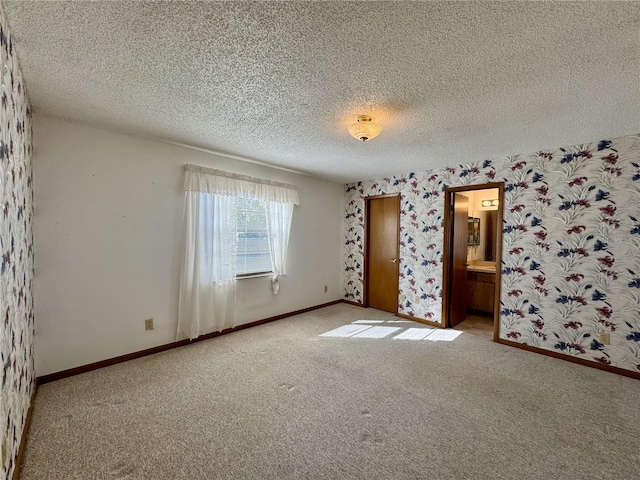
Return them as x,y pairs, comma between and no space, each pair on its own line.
448,251
365,268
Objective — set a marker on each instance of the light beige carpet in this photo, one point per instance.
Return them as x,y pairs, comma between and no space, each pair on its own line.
280,402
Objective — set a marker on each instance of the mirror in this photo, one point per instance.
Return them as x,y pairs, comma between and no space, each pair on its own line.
473,232
486,222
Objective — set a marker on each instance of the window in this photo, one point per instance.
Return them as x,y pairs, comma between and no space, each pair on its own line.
253,255
234,226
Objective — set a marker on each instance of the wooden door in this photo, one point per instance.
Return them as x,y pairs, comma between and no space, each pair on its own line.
458,264
383,217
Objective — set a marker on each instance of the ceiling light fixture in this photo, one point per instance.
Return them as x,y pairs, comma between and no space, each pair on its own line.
490,203
364,129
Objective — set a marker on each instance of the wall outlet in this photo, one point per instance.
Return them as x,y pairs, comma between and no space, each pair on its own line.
325,289
148,324
605,338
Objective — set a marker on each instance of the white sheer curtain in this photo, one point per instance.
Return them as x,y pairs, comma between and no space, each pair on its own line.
279,217
209,180
208,285
208,281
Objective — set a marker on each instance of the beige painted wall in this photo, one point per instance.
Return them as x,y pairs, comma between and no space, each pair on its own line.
107,229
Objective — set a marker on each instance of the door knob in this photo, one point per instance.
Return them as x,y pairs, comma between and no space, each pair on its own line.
393,260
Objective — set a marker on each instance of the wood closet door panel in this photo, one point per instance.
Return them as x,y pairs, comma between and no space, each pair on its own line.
382,253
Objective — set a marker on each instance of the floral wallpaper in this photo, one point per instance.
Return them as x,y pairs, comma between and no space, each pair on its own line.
571,246
16,251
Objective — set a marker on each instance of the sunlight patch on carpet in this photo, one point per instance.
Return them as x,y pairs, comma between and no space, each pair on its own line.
346,331
376,332
414,334
373,329
444,335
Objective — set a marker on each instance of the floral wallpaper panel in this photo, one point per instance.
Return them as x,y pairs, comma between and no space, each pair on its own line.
571,246
16,252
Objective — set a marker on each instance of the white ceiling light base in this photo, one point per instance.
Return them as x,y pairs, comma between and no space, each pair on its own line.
364,129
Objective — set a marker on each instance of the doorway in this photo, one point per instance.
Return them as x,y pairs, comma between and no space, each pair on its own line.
472,255
381,267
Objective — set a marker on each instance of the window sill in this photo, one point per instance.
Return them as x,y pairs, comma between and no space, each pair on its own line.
254,275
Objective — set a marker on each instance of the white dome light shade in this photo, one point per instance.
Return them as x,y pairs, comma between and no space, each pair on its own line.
364,129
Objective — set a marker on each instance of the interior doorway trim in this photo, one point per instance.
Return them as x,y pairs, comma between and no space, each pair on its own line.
365,269
448,251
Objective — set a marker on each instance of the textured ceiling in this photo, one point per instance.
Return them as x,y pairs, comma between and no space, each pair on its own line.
279,82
